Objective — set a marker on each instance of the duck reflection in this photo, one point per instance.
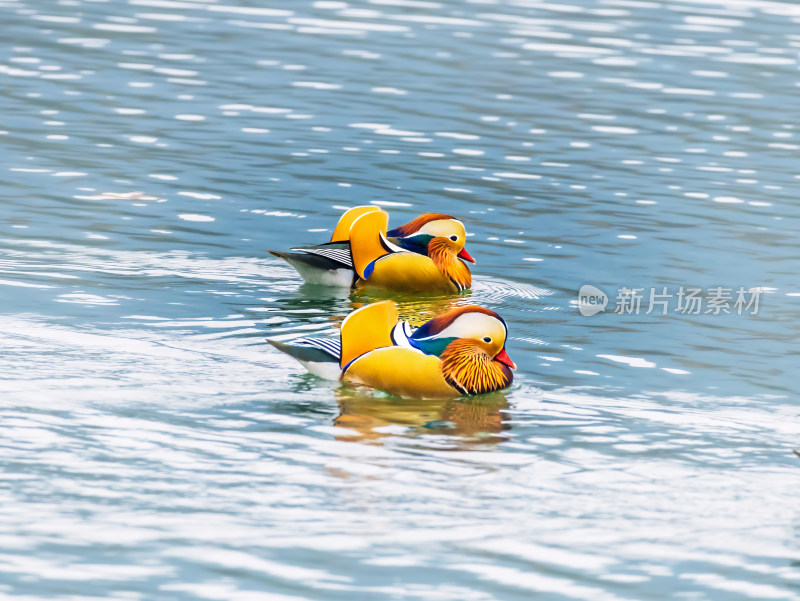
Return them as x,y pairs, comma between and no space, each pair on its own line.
366,416
334,304
417,308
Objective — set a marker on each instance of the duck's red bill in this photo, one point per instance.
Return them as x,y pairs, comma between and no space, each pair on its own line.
465,255
503,357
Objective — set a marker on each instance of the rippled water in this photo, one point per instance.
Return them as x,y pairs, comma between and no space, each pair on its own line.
154,447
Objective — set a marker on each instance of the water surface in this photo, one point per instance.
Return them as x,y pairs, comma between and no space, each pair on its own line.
155,447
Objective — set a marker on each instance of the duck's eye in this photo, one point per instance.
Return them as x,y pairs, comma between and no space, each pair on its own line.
487,339
454,237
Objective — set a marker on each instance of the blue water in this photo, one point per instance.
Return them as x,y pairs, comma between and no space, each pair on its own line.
155,447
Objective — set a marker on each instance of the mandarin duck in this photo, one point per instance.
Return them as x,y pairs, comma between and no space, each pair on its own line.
461,352
331,264
383,264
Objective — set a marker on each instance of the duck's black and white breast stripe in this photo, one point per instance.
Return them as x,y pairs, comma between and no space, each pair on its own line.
401,335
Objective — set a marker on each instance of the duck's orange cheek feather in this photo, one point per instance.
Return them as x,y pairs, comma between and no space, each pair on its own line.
470,369
508,375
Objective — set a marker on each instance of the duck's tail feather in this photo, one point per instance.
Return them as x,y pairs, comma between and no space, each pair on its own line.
337,252
320,356
319,268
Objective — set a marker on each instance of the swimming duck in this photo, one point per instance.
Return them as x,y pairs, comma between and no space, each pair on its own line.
331,264
461,352
381,263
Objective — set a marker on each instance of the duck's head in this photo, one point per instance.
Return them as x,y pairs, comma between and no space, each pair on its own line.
471,345
433,230
481,329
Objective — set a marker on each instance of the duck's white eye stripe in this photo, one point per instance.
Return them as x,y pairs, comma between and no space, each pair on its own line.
473,325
